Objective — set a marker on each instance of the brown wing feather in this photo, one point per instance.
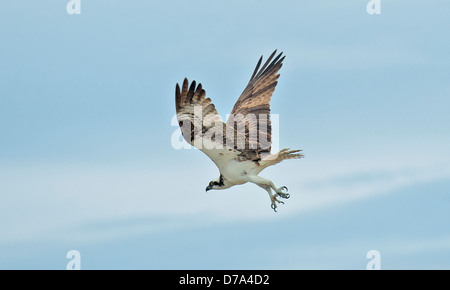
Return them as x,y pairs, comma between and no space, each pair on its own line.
192,108
254,102
200,123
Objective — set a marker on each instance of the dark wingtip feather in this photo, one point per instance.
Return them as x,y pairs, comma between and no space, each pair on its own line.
268,64
184,91
185,86
192,86
257,67
190,93
198,93
177,97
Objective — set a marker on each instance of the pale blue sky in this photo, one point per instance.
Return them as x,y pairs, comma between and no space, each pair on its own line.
86,161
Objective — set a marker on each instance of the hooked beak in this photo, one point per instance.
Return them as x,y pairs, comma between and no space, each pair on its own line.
209,187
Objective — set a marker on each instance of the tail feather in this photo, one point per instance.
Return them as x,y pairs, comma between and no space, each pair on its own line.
286,154
280,156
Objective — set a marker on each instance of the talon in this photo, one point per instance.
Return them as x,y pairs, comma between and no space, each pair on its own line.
284,188
283,195
274,207
274,201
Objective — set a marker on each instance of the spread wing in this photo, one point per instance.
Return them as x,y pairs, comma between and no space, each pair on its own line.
196,114
254,104
202,127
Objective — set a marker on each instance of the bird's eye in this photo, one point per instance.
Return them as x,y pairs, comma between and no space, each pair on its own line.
211,183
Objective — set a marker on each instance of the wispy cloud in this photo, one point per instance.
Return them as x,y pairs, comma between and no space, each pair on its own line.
90,201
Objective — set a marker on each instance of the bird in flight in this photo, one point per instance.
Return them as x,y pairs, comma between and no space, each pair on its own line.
240,147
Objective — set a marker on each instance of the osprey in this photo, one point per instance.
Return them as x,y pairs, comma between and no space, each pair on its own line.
240,147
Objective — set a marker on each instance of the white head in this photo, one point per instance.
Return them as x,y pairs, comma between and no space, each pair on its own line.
218,183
